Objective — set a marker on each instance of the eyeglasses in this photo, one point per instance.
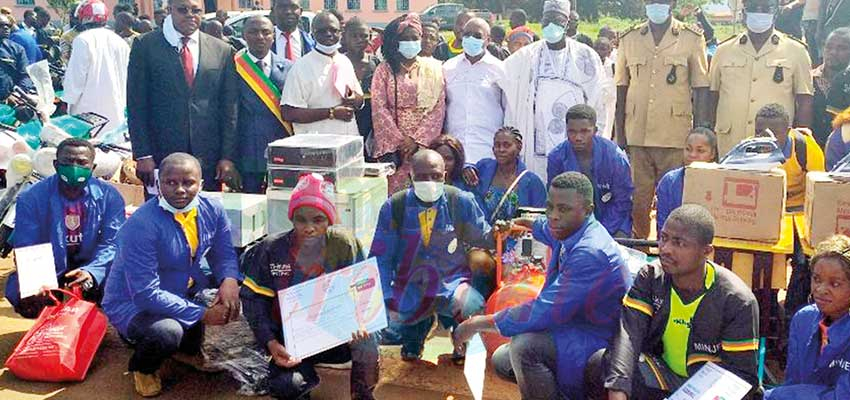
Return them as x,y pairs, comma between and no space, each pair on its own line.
186,10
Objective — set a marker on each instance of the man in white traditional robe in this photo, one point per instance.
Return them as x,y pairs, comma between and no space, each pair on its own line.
546,78
96,77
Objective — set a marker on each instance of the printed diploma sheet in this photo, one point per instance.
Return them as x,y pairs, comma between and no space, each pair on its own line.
322,313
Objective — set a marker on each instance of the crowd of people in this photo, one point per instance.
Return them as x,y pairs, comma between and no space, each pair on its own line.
477,127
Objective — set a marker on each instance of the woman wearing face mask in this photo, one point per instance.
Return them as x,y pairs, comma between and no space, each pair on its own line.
496,176
819,339
408,98
700,145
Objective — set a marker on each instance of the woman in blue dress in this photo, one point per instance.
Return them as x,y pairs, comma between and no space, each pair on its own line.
492,177
818,366
700,145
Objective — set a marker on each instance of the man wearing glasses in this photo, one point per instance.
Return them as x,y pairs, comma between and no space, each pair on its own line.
182,97
754,68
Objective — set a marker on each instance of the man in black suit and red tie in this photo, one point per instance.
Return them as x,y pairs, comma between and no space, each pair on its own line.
182,97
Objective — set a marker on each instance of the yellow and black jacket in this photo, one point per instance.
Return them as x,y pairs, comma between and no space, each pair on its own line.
724,328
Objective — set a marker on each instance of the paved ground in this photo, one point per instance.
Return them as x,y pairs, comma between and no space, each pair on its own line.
433,378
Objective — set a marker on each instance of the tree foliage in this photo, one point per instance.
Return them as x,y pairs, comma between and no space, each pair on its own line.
62,8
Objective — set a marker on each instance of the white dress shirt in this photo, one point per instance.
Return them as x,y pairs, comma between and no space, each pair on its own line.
475,104
174,38
309,84
294,42
267,62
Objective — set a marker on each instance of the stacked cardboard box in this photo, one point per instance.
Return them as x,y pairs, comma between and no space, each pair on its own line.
746,204
827,209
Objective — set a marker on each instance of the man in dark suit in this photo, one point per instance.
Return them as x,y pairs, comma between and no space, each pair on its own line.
181,97
262,76
290,42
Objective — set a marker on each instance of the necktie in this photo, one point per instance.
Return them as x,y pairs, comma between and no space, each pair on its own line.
186,60
262,66
289,55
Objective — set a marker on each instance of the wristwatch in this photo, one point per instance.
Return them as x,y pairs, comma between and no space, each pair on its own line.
331,112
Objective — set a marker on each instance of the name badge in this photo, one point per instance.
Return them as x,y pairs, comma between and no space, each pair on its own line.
452,246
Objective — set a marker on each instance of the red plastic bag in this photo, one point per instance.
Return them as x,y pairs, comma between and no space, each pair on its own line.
61,345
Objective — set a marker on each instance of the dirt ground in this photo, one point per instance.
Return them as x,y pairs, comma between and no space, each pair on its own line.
432,378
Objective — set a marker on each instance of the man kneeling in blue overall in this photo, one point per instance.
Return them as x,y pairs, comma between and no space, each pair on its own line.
576,312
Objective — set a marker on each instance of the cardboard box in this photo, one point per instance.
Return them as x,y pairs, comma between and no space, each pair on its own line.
827,209
134,195
248,215
746,205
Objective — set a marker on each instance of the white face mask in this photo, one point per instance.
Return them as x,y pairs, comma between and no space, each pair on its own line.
328,49
163,203
428,192
657,13
759,22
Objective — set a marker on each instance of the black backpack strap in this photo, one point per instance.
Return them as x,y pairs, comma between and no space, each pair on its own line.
397,206
452,196
800,149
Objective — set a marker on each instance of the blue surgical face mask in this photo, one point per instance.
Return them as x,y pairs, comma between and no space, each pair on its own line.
163,203
553,33
328,49
657,13
759,22
472,46
410,49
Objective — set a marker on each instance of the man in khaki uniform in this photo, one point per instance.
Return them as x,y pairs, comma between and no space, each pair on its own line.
661,67
756,68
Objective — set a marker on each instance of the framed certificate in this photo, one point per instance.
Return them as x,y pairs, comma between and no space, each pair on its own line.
322,313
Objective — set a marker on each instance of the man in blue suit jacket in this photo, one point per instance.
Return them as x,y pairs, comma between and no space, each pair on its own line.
259,121
290,41
157,270
78,216
603,162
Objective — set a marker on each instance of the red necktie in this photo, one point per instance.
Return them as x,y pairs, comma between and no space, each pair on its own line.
186,60
289,55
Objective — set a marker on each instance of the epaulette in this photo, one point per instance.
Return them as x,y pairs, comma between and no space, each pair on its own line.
730,38
692,28
632,28
795,39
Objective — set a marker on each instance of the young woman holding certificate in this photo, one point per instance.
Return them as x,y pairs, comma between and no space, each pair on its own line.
311,249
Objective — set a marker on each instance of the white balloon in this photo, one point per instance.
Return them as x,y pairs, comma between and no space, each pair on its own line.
106,163
43,161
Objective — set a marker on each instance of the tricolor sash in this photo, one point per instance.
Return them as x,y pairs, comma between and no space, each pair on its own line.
261,85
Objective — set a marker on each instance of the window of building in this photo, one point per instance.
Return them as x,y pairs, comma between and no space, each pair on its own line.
353,5
305,4
25,2
380,5
330,4
245,4
402,5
